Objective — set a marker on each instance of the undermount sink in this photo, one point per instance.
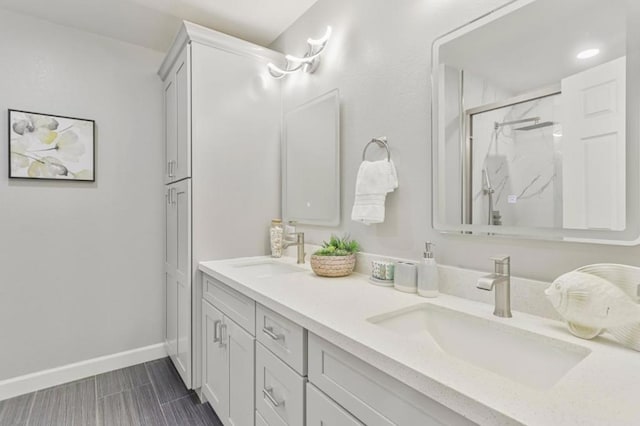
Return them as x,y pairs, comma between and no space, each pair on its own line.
525,357
266,268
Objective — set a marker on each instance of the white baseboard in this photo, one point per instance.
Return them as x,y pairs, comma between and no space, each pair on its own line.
78,370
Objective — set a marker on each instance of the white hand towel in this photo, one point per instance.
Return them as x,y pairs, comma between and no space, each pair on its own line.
375,179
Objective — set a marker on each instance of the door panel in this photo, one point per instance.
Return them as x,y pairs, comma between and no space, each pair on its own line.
182,167
171,230
183,277
171,324
182,200
170,133
594,147
241,349
215,372
170,283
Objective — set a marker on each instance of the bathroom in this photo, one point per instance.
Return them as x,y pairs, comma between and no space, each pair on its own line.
83,296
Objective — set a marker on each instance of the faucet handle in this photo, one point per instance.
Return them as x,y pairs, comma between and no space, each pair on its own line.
502,264
501,259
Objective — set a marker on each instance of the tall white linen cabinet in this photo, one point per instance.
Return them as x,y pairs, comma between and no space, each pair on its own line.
222,172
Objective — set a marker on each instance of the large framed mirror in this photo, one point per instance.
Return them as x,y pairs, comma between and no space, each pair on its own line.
311,162
536,113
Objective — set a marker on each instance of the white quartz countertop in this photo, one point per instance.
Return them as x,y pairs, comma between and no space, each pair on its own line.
603,389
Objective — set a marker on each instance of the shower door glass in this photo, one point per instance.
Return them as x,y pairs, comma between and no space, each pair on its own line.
516,164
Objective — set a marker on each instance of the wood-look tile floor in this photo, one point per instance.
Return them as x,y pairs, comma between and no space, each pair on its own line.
147,394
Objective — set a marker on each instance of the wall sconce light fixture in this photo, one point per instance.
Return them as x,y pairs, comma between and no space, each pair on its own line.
308,63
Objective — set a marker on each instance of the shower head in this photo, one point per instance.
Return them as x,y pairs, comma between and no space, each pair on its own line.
536,126
497,125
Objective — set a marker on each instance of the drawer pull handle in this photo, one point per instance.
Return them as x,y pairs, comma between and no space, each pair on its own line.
223,335
268,393
269,332
216,326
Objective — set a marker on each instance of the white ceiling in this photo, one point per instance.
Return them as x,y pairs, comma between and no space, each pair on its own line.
536,46
153,23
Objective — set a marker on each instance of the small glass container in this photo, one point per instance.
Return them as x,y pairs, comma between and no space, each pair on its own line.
276,234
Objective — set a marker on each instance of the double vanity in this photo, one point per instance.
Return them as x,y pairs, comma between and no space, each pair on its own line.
315,351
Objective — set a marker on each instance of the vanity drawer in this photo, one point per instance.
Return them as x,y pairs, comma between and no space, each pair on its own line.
372,396
233,304
283,337
280,392
322,411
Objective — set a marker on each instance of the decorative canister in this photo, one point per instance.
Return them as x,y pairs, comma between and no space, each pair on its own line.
276,233
406,277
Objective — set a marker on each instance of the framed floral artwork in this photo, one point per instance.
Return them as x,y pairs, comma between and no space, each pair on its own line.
53,147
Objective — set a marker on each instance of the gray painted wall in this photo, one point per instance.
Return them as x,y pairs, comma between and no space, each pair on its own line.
81,263
379,58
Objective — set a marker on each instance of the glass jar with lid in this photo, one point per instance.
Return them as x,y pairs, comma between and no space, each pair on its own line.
276,233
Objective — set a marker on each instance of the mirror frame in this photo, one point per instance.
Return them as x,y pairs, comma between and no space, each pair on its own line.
629,237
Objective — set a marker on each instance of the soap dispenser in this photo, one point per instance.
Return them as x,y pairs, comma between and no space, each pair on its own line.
428,273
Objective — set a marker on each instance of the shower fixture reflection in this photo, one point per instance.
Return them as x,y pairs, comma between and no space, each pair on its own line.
493,216
537,124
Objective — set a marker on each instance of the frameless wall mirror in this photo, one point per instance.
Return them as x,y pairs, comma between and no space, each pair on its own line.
536,122
311,162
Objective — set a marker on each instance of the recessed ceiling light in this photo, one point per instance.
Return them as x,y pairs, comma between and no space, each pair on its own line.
589,53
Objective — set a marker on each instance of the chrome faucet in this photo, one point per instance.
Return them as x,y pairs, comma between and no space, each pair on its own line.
501,280
299,241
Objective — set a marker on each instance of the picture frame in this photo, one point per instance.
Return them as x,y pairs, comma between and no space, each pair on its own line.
51,147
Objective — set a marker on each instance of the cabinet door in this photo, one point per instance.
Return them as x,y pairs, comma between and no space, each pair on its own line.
215,361
182,161
177,113
170,126
322,411
182,205
170,283
241,355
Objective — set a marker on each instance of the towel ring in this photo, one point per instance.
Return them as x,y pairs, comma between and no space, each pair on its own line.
382,143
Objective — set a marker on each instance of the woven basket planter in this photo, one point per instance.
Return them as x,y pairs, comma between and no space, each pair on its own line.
333,266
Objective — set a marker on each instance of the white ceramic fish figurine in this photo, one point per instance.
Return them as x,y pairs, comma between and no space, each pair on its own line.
591,304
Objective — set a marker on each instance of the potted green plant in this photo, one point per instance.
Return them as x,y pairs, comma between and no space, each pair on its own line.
336,258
